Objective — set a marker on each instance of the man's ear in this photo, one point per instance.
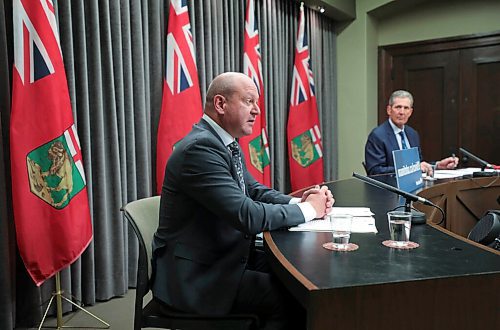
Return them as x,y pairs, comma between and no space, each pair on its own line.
219,102
388,110
410,112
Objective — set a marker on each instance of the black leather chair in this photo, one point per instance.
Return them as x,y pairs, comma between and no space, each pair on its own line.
142,215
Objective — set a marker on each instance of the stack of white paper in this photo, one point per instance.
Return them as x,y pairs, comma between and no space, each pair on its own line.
446,174
457,173
362,221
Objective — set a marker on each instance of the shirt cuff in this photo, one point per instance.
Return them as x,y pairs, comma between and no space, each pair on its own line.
308,211
306,208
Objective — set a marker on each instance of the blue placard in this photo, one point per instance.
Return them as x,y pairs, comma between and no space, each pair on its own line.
407,167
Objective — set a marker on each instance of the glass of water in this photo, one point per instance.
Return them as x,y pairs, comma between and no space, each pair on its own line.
399,227
433,171
341,230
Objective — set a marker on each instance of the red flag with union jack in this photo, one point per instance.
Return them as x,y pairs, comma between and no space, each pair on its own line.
49,192
181,106
305,153
255,146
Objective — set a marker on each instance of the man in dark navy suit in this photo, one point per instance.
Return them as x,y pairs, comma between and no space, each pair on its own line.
394,134
211,209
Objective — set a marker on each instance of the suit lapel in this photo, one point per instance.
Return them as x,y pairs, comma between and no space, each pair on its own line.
391,137
203,124
412,138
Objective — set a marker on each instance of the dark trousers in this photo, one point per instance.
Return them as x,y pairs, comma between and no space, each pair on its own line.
262,294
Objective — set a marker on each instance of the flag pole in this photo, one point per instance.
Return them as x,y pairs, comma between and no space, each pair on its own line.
58,294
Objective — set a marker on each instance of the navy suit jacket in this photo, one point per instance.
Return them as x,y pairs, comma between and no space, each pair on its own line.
207,224
380,144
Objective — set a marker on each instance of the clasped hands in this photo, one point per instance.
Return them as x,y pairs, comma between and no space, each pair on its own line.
448,163
321,199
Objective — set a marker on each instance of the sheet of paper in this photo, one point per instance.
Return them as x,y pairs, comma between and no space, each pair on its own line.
354,211
457,173
447,174
359,225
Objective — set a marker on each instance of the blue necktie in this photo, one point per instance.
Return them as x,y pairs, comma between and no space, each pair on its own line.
236,158
403,142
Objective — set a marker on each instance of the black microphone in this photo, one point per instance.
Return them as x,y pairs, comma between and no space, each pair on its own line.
407,195
484,164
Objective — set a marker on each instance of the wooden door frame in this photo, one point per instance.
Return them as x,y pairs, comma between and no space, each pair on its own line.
386,55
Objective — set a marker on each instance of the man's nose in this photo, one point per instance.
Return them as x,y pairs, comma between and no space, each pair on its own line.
256,109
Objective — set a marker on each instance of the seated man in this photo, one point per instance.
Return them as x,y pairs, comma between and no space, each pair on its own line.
394,134
211,208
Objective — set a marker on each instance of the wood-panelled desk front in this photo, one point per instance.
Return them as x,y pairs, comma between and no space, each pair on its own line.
446,283
464,201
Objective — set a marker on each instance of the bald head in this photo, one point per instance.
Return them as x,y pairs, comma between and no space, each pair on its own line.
233,103
224,84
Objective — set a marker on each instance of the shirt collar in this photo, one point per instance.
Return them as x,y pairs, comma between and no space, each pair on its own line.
225,136
395,128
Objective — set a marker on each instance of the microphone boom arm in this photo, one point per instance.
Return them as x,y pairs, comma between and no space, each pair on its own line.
408,196
484,164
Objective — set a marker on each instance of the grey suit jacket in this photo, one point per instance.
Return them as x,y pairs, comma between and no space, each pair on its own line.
207,224
380,144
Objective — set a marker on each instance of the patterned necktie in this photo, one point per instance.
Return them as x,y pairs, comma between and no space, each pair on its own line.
236,158
403,142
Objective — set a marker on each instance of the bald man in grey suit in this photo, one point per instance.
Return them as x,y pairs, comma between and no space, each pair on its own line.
203,250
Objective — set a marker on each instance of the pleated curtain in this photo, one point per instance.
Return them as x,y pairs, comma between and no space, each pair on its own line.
114,55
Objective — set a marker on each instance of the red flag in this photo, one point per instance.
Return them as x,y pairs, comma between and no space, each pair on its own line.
255,146
304,137
181,106
51,208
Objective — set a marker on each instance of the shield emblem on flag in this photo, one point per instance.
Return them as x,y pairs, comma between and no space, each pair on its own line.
259,157
305,149
53,175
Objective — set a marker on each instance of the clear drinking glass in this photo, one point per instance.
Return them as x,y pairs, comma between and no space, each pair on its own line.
433,170
341,230
399,227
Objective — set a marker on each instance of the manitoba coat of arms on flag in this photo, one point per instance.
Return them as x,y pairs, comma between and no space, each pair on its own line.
54,175
306,148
